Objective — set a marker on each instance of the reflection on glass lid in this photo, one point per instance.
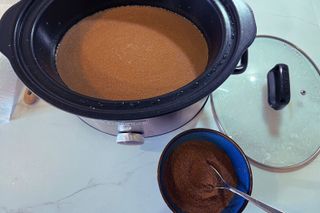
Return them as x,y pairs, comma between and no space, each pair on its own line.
279,139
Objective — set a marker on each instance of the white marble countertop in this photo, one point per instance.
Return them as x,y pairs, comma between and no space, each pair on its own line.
51,162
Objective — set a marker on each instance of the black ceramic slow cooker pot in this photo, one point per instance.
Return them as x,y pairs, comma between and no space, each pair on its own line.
31,30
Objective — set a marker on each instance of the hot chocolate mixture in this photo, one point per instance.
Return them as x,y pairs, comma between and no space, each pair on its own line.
131,53
190,181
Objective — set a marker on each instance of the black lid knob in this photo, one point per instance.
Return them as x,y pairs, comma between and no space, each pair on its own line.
279,93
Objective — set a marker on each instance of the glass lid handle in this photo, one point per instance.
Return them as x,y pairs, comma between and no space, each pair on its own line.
279,93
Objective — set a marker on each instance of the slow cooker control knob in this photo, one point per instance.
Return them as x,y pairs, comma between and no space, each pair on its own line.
130,138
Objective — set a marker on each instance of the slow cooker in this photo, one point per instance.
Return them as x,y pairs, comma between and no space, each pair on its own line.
32,29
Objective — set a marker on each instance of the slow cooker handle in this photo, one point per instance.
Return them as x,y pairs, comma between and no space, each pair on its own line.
7,27
243,64
247,33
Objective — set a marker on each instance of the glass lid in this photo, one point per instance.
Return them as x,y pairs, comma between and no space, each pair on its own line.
273,109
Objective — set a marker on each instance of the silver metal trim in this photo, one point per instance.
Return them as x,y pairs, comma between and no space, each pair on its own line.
149,127
130,139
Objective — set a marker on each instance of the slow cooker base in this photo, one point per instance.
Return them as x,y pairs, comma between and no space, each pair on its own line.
128,131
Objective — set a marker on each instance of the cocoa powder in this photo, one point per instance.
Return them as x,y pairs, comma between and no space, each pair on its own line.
131,53
190,181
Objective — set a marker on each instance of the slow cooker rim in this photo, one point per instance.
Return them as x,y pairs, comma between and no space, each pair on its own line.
157,109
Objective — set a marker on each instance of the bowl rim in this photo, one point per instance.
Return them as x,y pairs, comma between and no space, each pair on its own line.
174,140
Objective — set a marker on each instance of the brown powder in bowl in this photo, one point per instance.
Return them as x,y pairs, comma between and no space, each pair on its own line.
131,53
190,181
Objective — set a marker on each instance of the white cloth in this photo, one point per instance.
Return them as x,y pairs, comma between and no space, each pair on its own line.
10,89
10,86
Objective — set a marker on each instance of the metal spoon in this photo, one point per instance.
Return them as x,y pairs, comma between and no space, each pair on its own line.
226,186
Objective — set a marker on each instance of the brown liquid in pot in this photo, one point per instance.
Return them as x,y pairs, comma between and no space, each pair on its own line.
131,53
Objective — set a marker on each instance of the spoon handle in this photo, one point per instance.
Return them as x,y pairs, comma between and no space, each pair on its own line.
259,204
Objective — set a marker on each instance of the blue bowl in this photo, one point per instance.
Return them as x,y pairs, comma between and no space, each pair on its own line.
239,161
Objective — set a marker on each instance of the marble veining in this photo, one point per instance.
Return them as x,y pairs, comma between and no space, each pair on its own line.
58,204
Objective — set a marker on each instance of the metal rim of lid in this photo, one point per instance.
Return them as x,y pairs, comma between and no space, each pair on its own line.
290,168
